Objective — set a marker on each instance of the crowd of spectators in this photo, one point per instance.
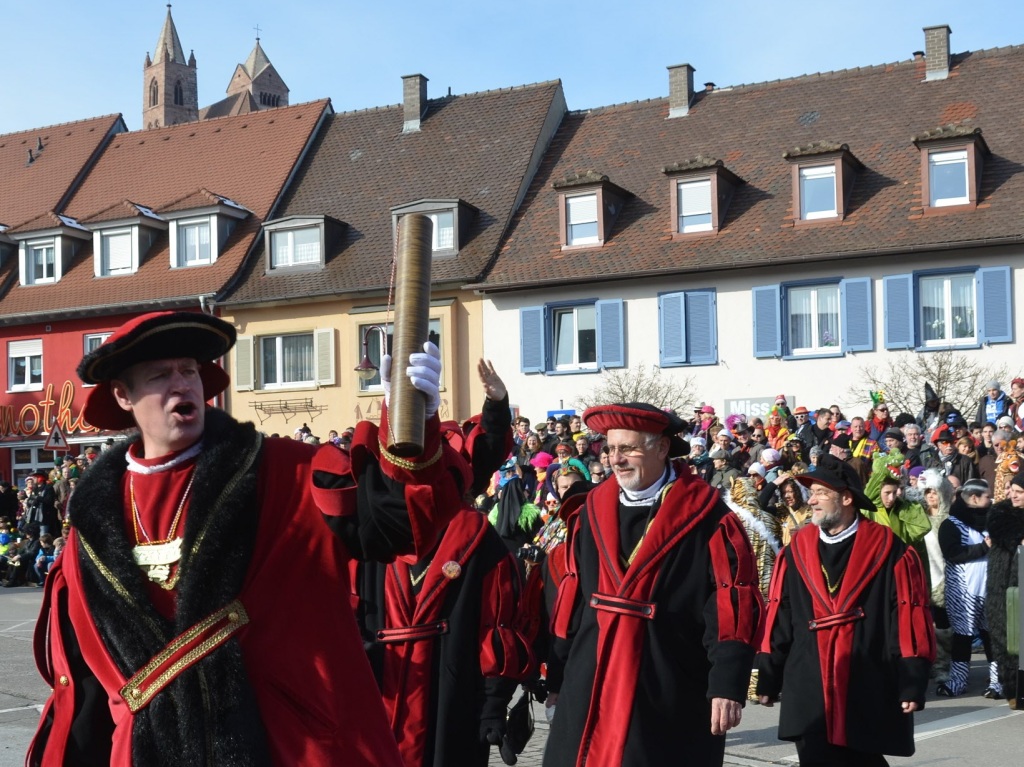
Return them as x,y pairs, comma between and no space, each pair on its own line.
933,477
34,522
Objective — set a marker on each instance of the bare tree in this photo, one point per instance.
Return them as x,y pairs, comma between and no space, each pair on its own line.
642,383
956,377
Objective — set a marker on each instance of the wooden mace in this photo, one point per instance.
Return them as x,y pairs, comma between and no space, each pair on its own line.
407,407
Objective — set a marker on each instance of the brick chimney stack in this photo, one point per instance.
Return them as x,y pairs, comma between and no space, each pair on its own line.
936,52
414,101
680,89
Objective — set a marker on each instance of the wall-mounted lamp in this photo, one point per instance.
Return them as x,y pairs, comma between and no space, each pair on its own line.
366,370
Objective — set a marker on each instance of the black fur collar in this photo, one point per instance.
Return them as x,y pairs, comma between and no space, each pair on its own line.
220,532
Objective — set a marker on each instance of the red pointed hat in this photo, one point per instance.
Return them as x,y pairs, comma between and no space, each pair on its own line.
148,337
638,416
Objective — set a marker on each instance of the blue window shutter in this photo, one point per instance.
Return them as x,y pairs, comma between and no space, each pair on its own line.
858,317
767,321
611,345
898,297
701,327
532,333
995,305
672,328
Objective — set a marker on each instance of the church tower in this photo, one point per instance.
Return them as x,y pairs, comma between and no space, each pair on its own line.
258,78
170,91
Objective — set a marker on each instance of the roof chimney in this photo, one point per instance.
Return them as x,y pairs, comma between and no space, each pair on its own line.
680,89
709,87
414,101
936,52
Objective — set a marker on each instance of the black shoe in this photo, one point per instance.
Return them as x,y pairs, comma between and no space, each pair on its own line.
944,691
992,694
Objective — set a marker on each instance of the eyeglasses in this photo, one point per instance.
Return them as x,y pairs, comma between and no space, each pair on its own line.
597,473
882,409
626,450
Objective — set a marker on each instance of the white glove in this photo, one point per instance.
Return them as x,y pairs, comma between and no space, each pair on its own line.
424,372
385,377
549,713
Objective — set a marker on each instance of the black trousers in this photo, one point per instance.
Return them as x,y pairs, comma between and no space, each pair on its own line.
818,754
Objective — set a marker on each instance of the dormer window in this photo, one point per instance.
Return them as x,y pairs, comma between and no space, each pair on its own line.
451,219
694,206
951,166
122,235
818,192
823,175
299,242
443,238
194,242
199,227
117,256
41,263
700,192
46,247
295,247
588,206
947,178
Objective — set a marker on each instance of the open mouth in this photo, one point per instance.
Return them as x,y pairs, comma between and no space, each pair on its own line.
186,410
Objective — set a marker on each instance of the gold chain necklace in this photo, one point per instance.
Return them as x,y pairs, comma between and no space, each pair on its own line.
831,589
137,520
155,558
415,580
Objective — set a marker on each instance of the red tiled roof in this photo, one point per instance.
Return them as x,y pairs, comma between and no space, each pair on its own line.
27,191
876,111
475,147
247,159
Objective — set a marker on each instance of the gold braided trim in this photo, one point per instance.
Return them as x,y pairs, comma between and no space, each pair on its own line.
117,585
133,693
403,463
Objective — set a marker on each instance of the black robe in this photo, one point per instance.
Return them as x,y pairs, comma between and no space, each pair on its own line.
844,662
646,647
1006,529
439,681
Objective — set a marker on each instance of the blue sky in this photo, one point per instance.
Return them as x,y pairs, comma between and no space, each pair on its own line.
72,59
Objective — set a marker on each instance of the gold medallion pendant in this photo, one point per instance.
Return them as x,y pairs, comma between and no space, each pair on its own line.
156,559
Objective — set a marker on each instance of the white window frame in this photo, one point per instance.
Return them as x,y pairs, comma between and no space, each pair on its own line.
576,201
573,311
949,319
278,341
25,351
374,385
31,248
695,187
289,234
945,159
436,246
195,224
814,173
819,345
104,238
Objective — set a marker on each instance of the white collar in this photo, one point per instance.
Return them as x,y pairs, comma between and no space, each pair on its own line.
646,496
184,455
839,537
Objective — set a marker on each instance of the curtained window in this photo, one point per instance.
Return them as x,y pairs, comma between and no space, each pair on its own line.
287,360
947,309
813,318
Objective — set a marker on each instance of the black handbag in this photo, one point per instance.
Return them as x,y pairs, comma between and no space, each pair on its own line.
518,729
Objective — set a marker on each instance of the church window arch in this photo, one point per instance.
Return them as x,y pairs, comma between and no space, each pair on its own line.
179,94
154,93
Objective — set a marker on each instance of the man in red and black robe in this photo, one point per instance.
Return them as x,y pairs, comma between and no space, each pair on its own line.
849,639
659,611
200,612
441,630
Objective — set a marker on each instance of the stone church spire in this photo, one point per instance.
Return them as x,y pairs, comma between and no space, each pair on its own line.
170,89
